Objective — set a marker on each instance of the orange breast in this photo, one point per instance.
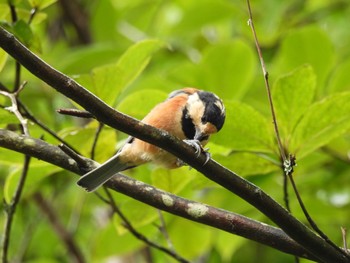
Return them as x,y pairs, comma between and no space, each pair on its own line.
166,116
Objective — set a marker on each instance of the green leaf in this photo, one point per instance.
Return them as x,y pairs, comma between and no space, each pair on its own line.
23,32
7,117
339,81
172,180
10,185
323,122
228,69
292,95
142,102
306,45
4,10
37,172
195,234
227,244
83,138
246,164
245,129
41,4
136,58
140,215
108,81
201,13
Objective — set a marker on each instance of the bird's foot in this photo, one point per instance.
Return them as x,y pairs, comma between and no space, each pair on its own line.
196,145
199,149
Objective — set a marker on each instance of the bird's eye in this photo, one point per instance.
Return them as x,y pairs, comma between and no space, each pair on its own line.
204,119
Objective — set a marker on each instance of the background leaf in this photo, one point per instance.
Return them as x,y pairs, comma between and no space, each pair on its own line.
228,69
245,129
136,58
324,121
3,58
142,102
307,45
292,95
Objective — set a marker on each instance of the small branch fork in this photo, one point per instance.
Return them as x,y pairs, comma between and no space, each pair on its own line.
14,107
10,208
287,163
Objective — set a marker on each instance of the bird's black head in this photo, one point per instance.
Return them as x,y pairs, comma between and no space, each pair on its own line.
203,115
214,111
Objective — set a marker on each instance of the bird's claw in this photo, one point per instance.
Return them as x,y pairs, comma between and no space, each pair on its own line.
199,149
207,155
196,145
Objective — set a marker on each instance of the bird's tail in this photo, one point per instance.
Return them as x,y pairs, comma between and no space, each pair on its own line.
97,177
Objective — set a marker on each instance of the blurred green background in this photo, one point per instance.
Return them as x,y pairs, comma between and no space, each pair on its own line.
132,54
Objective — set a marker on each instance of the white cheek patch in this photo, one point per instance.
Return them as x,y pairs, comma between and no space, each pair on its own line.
220,106
195,108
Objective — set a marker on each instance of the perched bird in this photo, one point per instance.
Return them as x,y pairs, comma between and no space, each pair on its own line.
189,114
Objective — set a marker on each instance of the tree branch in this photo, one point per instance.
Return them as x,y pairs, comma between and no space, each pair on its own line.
212,170
205,214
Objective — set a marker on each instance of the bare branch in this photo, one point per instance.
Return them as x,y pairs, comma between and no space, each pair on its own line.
214,217
76,113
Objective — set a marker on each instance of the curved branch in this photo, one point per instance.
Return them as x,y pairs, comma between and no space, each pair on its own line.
198,212
212,170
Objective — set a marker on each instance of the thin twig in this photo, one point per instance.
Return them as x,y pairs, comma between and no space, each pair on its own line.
96,137
10,209
345,245
80,160
17,80
267,84
309,218
76,113
13,11
33,12
61,231
138,235
43,126
164,231
272,109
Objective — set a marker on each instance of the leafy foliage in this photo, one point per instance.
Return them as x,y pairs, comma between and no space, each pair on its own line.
142,50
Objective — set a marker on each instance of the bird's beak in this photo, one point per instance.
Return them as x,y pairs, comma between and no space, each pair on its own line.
199,136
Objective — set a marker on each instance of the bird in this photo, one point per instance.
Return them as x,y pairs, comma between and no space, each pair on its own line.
190,114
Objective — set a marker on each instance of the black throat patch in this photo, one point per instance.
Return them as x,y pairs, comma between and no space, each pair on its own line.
187,124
